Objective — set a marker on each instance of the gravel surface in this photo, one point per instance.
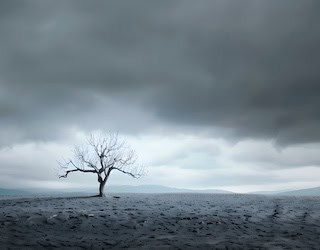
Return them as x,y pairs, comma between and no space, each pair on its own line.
161,221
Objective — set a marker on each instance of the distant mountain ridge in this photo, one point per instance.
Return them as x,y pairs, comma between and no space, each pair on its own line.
266,192
302,192
13,192
159,189
112,189
299,192
151,189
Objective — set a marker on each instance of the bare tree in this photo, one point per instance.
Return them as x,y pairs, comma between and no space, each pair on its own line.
101,155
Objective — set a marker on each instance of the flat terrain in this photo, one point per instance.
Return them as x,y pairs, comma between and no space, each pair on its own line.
161,221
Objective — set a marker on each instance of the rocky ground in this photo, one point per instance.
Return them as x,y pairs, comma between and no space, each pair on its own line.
161,221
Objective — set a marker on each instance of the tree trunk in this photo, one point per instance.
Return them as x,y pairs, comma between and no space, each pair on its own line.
101,189
103,183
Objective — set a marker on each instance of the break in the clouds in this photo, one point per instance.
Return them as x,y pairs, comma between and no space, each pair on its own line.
240,71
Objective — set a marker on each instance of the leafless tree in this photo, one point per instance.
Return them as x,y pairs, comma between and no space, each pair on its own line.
101,155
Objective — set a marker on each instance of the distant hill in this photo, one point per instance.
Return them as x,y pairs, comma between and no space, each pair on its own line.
13,192
276,192
109,189
264,192
302,192
149,189
158,189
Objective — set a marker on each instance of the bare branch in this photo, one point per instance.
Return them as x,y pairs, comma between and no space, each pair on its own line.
101,155
75,169
131,173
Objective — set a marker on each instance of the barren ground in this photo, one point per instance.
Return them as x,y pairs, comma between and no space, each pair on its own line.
161,221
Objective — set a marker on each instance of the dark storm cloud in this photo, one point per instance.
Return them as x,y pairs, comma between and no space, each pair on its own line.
247,67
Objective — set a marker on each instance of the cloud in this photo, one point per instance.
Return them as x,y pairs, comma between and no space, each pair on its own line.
181,161
264,154
181,150
247,70
216,91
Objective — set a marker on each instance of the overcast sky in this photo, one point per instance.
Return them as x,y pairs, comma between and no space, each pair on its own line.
211,94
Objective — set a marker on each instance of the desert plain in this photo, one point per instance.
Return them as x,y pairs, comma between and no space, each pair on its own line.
161,221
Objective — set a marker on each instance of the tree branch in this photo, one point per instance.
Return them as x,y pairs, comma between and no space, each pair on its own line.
134,175
101,155
75,170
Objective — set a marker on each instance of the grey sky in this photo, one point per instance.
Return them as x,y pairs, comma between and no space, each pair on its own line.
231,75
